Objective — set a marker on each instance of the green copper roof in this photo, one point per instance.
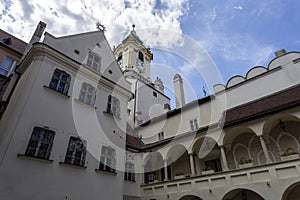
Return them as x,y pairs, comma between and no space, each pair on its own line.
133,36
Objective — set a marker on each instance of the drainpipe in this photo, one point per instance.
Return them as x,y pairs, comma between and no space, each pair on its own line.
134,107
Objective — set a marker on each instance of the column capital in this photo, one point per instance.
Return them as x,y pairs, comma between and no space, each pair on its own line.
223,147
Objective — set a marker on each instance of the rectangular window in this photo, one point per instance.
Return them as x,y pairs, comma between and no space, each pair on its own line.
161,136
129,171
154,94
60,81
120,59
7,66
40,143
194,124
113,106
87,94
129,168
107,159
76,151
94,61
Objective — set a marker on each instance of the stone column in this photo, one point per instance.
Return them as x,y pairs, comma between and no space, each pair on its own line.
265,149
224,159
166,169
143,174
197,165
192,164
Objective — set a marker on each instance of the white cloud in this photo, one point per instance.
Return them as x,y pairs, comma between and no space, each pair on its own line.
238,7
236,48
75,16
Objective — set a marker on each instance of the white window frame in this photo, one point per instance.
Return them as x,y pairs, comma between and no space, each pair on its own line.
108,159
194,124
76,146
113,106
129,167
9,69
87,94
94,61
60,81
40,143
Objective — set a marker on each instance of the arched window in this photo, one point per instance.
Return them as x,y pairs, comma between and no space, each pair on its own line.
140,62
141,56
120,59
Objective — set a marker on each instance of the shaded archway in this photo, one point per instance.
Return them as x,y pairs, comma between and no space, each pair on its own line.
190,197
292,192
242,147
208,155
242,194
281,133
178,162
153,165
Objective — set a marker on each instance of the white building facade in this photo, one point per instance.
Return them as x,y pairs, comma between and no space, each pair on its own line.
86,122
245,144
64,130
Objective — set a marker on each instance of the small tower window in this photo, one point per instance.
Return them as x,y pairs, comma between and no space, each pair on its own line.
120,59
140,62
141,56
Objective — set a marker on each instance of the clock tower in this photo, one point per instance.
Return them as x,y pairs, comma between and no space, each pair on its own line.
149,99
132,55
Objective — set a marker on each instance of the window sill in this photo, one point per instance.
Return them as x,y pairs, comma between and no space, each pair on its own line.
111,114
105,172
84,104
92,69
132,181
56,92
44,160
72,165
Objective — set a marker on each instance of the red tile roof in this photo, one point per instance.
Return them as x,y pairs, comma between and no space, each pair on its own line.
276,102
16,44
132,140
273,103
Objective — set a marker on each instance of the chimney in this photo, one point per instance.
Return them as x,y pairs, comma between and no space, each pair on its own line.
280,52
35,37
179,92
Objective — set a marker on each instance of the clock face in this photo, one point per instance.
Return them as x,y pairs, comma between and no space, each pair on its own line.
120,62
140,65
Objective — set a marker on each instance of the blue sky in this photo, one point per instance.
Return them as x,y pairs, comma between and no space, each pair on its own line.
229,37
